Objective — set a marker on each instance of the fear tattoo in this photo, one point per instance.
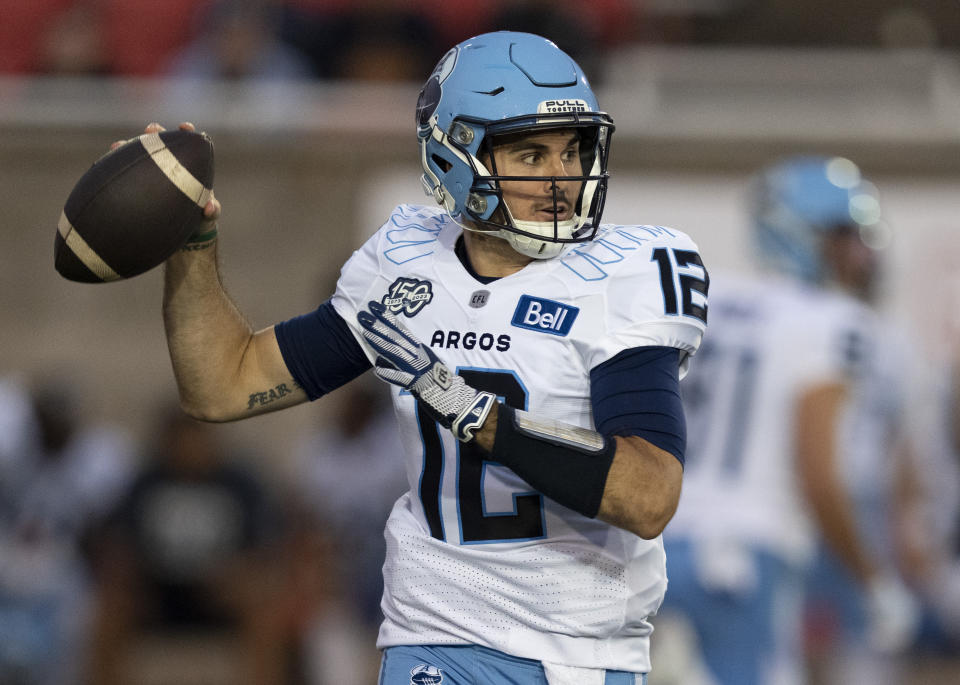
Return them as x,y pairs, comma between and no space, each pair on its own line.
260,399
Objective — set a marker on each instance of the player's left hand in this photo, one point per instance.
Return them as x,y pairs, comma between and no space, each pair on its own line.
405,361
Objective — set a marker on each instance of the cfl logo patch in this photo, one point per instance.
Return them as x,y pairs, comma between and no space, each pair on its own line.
408,295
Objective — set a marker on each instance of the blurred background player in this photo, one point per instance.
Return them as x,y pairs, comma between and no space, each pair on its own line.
878,461
785,382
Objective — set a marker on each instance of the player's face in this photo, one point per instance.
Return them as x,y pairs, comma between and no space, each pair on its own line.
852,263
551,153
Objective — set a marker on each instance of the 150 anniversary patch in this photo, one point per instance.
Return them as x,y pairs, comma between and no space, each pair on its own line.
408,295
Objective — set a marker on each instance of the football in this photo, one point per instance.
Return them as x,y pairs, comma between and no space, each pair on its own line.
134,207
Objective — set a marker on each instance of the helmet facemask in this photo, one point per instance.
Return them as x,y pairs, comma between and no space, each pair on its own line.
487,210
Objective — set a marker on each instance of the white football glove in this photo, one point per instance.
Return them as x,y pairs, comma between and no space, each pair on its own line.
405,361
893,614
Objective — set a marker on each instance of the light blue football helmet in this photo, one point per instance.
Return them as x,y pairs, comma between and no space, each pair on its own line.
799,200
500,83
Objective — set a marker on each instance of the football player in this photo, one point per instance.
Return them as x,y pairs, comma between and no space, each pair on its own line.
534,357
792,391
878,461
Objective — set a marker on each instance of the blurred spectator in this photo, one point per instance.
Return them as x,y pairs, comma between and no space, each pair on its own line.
143,35
346,480
119,37
58,477
190,577
387,45
21,31
767,400
239,39
454,22
583,30
787,23
75,42
398,39
363,40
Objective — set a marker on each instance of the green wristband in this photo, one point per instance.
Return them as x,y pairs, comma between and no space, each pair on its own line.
198,241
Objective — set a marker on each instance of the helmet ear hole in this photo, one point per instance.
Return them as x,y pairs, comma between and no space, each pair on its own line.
443,164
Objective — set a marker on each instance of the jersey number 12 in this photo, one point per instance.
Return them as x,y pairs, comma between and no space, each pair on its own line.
476,525
689,284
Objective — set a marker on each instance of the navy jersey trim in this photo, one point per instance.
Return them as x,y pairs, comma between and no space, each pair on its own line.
320,351
637,392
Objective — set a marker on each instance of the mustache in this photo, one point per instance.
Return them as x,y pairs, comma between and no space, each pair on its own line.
557,194
559,197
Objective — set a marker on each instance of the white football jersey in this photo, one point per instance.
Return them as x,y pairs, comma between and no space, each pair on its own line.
474,554
770,340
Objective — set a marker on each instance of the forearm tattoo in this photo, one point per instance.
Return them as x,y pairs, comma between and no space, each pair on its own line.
260,399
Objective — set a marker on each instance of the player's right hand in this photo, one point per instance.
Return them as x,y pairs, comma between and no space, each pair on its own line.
212,210
893,615
404,360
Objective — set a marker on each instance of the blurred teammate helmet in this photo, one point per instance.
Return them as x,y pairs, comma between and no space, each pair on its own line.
797,202
509,83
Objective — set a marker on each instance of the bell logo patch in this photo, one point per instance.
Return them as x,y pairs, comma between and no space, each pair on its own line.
544,316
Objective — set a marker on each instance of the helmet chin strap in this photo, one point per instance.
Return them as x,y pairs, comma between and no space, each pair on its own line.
534,247
525,244
547,249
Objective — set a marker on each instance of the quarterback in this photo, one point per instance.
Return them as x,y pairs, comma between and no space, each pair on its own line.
533,355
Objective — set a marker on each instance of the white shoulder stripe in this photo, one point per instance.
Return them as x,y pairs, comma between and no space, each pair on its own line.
84,252
174,170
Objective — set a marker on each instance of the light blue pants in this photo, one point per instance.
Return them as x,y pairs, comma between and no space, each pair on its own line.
471,665
737,631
